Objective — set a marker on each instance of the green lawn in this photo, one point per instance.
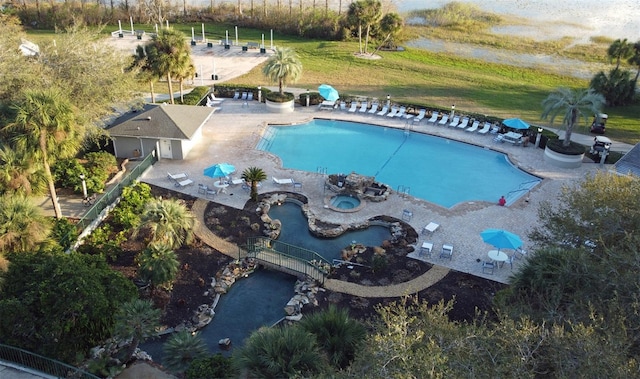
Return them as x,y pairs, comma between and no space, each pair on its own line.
423,78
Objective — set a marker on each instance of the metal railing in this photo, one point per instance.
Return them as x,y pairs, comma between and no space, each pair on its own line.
35,362
112,194
288,258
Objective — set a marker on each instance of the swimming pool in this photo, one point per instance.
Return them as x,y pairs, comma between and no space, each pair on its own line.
435,169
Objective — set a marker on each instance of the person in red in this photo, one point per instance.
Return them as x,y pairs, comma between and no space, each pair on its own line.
502,201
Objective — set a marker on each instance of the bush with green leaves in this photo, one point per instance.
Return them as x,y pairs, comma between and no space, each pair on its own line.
213,366
281,352
158,265
66,173
126,214
181,349
103,241
99,166
64,232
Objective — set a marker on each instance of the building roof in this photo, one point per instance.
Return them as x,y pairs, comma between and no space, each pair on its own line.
161,121
630,162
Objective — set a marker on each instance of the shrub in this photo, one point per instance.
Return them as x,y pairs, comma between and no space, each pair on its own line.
126,214
64,232
99,166
277,98
66,174
214,366
573,148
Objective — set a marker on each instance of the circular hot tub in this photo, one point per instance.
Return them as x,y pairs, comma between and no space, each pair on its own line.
345,203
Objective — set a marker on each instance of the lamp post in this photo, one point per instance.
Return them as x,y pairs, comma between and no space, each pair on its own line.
453,110
307,97
605,152
259,94
84,186
388,101
538,137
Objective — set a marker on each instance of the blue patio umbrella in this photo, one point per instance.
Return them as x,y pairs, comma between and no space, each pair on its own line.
219,170
501,239
328,92
515,123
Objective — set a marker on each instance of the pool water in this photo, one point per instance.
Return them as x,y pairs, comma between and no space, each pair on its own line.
295,231
435,169
345,202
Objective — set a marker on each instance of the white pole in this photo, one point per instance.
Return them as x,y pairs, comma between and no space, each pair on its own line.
193,35
120,26
167,24
271,39
214,68
227,38
262,46
236,36
156,28
203,39
131,21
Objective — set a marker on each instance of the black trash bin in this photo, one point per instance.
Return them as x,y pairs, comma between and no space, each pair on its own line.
263,50
227,47
193,43
245,48
214,77
209,44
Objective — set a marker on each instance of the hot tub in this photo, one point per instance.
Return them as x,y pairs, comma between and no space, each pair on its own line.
345,203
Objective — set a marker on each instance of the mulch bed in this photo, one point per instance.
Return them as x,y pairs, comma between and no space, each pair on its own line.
199,263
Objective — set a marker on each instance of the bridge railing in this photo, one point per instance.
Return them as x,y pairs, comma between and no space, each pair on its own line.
35,362
287,257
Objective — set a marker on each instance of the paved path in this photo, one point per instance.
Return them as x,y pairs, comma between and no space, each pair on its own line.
395,290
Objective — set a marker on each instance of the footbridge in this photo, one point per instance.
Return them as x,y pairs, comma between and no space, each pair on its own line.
288,258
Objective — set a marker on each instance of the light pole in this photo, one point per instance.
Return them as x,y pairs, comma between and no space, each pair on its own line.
84,186
307,97
453,110
605,152
388,101
259,94
538,137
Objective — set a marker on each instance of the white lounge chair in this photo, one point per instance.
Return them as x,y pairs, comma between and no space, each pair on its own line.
393,113
343,106
184,183
363,107
374,108
244,96
420,115
326,104
283,181
177,177
384,111
401,112
434,118
474,126
464,123
485,129
444,120
250,96
455,122
236,95
354,106
447,252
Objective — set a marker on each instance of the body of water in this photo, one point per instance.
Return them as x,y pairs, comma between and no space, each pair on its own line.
435,169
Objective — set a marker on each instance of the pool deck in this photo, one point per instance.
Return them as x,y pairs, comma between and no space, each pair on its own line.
234,130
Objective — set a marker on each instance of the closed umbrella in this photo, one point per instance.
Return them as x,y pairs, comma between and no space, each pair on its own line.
328,92
515,123
219,170
501,239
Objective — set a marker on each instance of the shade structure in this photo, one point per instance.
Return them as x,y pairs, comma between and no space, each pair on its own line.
328,92
501,239
515,123
219,170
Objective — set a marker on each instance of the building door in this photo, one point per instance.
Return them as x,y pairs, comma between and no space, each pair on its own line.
165,149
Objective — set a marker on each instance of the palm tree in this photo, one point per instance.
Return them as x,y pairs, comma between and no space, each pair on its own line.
281,352
145,72
169,53
20,173
283,67
254,175
573,104
619,49
634,59
337,334
188,72
22,225
364,13
158,265
136,320
45,126
168,221
181,349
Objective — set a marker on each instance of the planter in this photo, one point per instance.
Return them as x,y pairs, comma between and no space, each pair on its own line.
562,160
273,107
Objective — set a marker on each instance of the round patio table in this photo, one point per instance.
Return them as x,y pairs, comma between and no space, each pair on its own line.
222,187
498,256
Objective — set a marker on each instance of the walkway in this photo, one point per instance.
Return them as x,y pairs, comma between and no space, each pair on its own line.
396,290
